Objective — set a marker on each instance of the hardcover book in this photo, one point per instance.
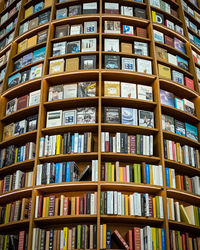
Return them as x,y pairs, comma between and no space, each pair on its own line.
179,127
144,66
42,36
32,41
76,29
61,31
69,117
8,131
112,115
38,7
168,123
179,45
191,131
56,66
139,12
128,90
25,75
158,36
55,93
141,48
14,80
177,77
169,41
111,88
164,71
44,17
111,8
128,30
61,13
86,115
22,102
39,54
36,71
111,45
146,118
70,90
166,98
33,23
189,106
90,8
32,123
179,104
90,27
182,63
129,116
59,48
112,27
145,92
86,89
27,59
161,54
34,98
72,64
17,64
127,10
20,127
54,118
128,64
172,59
88,62
11,106
189,82
73,47
112,62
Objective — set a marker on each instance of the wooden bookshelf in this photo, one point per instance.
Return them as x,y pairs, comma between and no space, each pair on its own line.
99,75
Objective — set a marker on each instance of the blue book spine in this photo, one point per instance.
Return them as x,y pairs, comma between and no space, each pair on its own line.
68,172
163,238
60,172
147,174
22,153
57,173
72,143
18,154
167,177
79,144
108,239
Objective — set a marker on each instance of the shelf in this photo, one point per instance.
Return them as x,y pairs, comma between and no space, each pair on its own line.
183,195
67,187
69,157
126,38
20,114
132,129
78,54
180,138
193,6
179,114
3,51
31,135
9,20
15,195
184,227
130,187
191,17
3,66
75,37
81,128
75,19
127,55
12,226
7,34
12,5
182,168
22,165
129,158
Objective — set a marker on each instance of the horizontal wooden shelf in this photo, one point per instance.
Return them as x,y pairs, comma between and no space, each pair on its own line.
59,220
71,103
132,129
81,128
178,114
126,38
69,157
130,187
78,54
180,138
183,195
182,168
9,20
22,165
13,226
194,47
20,114
75,37
25,137
6,48
67,187
127,55
131,220
19,89
129,157
7,34
191,17
184,227
15,195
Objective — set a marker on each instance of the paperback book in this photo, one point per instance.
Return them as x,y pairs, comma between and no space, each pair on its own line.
129,116
112,115
146,118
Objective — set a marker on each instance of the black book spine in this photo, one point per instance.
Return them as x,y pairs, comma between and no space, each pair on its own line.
105,203
63,172
44,174
122,141
85,142
141,144
51,239
88,197
165,148
126,143
65,143
71,171
143,204
111,144
83,237
52,173
95,236
131,173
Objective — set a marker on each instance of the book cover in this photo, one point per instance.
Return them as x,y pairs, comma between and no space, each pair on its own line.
72,64
14,80
112,62
128,30
86,89
20,127
177,77
90,27
55,93
36,71
17,64
128,90
141,48
38,7
34,98
76,29
32,122
11,106
56,66
144,66
179,127
33,23
22,102
73,47
75,10
139,12
166,98
128,64
70,90
61,13
39,54
168,123
27,59
54,118
158,36
112,88
32,41
59,48
189,106
111,45
189,83
179,45
182,63
62,30
164,71
86,115
25,75
69,117
145,92
112,27
161,54
111,8
88,62
172,59
129,116
44,17
179,103
146,118
8,131
169,41
112,115
191,131
127,10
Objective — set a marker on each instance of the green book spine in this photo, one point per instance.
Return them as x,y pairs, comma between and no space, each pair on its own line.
139,173
157,207
196,216
109,171
135,172
157,240
179,240
102,203
5,242
79,237
138,144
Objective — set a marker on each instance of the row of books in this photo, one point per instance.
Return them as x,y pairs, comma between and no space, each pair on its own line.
178,152
183,213
29,74
15,181
32,41
128,90
13,154
20,127
4,58
129,116
74,10
10,13
63,172
37,7
69,237
169,99
136,204
7,3
67,144
34,22
15,211
192,26
8,39
183,240
128,144
14,241
164,6
68,117
33,98
194,39
62,206
29,58
136,172
182,182
137,238
8,28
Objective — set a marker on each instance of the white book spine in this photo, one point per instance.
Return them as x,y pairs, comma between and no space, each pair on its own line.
34,238
172,209
17,180
41,152
92,204
145,145
50,142
118,142
115,202
168,208
48,172
111,202
127,173
30,175
151,145
131,204
101,236
154,175
170,150
192,154
96,170
146,196
36,206
114,144
160,175
93,170
173,178
161,207
102,142
54,144
119,203
82,143
46,143
123,204
61,239
142,238
177,207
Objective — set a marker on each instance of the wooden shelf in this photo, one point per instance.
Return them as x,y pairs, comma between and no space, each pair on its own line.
9,7
126,38
9,20
15,195
78,54
13,226
75,37
184,227
127,55
5,49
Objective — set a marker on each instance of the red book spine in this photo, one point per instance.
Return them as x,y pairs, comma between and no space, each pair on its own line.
84,199
150,207
81,205
40,206
136,238
182,183
66,206
132,144
190,184
174,150
21,240
183,242
122,243
106,146
129,239
143,172
77,205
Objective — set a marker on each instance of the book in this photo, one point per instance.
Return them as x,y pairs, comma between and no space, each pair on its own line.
144,66
189,82
61,13
158,36
182,63
112,88
76,29
164,71
32,41
90,8
111,8
141,48
86,115
59,48
22,102
177,77
34,98
70,90
141,32
55,93
139,12
86,89
128,90
127,10
112,27
38,7
11,106
112,115
36,71
111,45
189,106
33,23
179,103
8,131
146,118
144,92
191,131
179,127
127,48
129,116
161,54
128,64
88,62
25,76
20,127
54,118
166,98
73,47
69,117
128,30
56,66
39,54
27,59
179,45
14,80
32,123
172,59
112,62
72,64
90,27
168,123
75,10
62,30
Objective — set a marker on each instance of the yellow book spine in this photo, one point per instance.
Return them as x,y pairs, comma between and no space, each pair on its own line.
6,217
154,207
44,206
104,235
5,242
113,172
65,240
154,237
170,177
120,174
126,204
58,144
151,174
16,153
153,16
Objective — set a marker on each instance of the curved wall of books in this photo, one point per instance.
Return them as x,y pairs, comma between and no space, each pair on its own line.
99,124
